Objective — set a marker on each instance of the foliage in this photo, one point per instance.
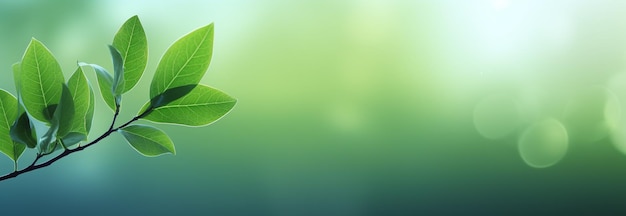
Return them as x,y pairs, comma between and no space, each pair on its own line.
66,109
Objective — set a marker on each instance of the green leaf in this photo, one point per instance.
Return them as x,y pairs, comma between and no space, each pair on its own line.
65,112
202,106
22,131
185,62
148,141
118,73
73,138
8,111
83,98
132,44
105,81
41,79
48,142
171,95
61,122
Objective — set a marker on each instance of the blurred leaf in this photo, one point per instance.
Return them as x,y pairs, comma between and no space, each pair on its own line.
148,141
8,111
185,62
202,106
118,73
105,81
22,131
83,98
41,81
65,113
132,44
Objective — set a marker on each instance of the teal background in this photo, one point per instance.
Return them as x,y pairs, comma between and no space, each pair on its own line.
349,107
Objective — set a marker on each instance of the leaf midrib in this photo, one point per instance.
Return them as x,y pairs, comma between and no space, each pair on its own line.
188,60
193,105
4,114
43,95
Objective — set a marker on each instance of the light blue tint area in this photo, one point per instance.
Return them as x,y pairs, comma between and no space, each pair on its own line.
355,107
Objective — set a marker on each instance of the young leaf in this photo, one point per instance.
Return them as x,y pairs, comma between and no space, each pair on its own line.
22,131
105,81
185,62
41,79
202,106
47,143
118,72
148,141
83,98
64,114
132,44
8,111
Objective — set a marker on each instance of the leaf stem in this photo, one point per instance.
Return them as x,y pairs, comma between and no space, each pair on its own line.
117,113
34,166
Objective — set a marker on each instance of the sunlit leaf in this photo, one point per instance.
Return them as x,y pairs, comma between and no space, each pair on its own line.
148,141
132,44
22,130
105,81
8,111
171,95
41,79
65,113
118,72
83,98
202,106
185,62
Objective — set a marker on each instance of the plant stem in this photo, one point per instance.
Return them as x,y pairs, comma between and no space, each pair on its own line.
66,152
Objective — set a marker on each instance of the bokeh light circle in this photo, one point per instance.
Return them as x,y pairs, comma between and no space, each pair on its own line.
544,144
496,116
617,85
590,115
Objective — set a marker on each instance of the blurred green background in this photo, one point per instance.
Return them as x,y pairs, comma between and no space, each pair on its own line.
355,107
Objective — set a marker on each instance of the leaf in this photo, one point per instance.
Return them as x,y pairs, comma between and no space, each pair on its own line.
73,138
64,114
148,141
132,44
105,81
47,143
83,98
185,62
202,106
8,111
22,131
118,73
171,95
41,79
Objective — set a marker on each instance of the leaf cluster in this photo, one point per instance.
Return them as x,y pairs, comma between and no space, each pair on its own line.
65,108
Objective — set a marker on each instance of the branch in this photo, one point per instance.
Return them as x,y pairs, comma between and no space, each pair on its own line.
66,152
